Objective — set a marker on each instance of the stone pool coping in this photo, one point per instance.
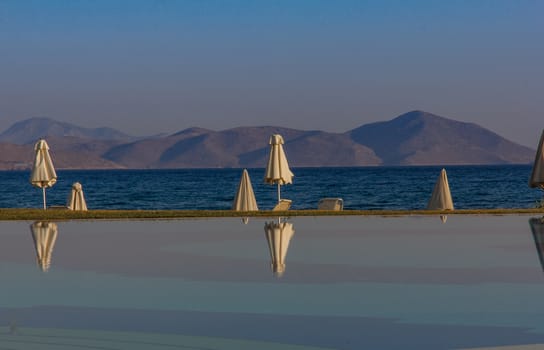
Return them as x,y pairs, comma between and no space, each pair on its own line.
7,214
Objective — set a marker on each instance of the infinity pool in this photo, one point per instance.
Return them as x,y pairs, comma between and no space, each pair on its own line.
278,283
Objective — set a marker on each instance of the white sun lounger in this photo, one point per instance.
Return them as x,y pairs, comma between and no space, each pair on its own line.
335,204
283,205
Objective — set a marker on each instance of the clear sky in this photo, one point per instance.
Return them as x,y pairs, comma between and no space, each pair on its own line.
155,66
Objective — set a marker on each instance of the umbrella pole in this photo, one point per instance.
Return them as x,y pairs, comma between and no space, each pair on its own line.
44,207
278,192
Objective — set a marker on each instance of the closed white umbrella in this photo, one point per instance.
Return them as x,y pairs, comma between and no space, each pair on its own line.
277,169
537,175
44,235
245,197
77,199
441,197
43,173
278,235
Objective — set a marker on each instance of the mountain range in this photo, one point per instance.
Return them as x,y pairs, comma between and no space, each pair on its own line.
413,138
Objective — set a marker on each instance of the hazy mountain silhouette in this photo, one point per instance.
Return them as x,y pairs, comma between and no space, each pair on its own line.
414,138
33,129
15,157
421,138
145,153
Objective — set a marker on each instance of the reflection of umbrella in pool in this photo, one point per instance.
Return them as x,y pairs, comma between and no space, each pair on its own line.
537,228
245,197
43,173
278,235
77,199
441,197
44,234
277,169
537,175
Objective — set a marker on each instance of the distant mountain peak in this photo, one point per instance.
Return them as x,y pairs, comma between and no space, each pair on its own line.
413,114
194,130
423,138
418,115
38,119
32,129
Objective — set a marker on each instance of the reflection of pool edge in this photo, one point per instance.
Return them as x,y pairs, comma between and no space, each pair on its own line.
30,338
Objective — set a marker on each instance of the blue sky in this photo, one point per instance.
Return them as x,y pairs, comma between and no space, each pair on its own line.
156,66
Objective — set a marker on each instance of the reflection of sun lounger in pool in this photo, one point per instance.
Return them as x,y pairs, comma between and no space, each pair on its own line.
330,204
283,205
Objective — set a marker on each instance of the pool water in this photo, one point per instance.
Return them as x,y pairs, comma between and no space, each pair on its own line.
273,283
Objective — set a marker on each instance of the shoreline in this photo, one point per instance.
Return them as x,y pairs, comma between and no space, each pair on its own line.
18,214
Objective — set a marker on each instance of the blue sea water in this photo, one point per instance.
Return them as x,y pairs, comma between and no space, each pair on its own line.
361,188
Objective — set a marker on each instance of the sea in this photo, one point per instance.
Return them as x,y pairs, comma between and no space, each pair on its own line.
366,188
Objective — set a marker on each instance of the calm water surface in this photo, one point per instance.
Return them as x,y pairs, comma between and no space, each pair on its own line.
361,188
297,283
